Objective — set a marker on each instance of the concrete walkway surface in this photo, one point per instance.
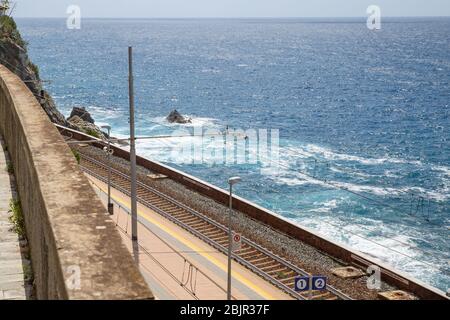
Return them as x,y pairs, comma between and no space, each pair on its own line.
169,256
12,284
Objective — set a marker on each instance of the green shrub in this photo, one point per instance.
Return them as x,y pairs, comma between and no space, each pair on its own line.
35,69
10,168
92,132
17,218
8,24
8,29
77,155
28,272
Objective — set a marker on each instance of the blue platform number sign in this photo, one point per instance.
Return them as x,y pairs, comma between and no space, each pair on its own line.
319,283
301,284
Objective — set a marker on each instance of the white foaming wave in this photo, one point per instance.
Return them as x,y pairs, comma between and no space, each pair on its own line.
103,113
296,179
212,70
280,175
285,176
331,203
206,123
330,155
203,122
189,149
354,172
380,191
288,181
289,175
399,251
327,206
293,179
444,169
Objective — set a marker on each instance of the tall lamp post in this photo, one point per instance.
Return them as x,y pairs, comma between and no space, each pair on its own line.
231,182
134,222
109,153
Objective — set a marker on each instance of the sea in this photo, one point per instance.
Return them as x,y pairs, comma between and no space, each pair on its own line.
352,125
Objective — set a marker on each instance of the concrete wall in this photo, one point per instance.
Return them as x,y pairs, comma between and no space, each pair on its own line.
339,251
67,226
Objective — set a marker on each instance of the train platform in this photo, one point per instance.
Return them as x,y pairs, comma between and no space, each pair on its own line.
178,265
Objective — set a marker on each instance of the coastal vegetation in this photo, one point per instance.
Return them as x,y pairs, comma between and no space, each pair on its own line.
10,168
8,30
77,156
14,56
91,132
35,69
17,218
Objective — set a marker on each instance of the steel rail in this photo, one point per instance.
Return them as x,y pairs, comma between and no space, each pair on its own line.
206,239
148,253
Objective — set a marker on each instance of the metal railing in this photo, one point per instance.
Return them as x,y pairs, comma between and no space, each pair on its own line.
211,242
189,281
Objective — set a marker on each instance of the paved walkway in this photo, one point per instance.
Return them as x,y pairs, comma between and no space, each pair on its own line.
164,247
11,271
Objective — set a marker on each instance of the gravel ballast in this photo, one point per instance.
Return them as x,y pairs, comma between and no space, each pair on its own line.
297,252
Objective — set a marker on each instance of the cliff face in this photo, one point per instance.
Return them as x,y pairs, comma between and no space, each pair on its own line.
14,56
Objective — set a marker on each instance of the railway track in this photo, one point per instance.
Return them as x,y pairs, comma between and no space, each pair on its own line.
278,271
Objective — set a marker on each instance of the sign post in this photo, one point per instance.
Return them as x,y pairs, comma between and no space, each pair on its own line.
302,284
319,283
310,284
237,242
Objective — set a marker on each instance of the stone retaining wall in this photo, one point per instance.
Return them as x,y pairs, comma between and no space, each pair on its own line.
76,251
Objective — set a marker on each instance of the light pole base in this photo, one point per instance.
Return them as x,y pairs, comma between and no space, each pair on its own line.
111,208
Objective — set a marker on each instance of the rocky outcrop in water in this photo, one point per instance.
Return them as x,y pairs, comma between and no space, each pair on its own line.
86,127
14,56
82,119
82,113
176,117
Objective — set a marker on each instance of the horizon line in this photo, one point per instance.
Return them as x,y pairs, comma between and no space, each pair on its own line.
243,17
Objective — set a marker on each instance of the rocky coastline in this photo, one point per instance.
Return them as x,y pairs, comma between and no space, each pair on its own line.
14,56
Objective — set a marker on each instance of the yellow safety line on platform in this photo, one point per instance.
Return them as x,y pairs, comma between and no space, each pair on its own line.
195,248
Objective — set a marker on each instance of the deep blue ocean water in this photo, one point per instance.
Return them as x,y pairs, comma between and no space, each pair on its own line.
365,115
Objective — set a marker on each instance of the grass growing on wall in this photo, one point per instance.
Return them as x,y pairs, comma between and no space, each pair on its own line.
77,155
17,218
92,133
10,168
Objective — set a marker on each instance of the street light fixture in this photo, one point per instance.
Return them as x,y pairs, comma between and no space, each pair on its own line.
134,215
232,181
109,153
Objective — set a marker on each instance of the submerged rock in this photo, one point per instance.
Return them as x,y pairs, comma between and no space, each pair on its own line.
176,117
